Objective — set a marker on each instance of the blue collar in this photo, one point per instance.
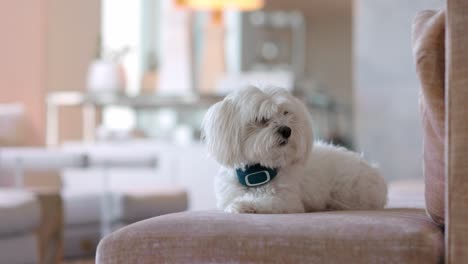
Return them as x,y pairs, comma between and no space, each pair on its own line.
255,175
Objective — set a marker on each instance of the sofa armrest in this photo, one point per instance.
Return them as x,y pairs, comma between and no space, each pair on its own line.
456,152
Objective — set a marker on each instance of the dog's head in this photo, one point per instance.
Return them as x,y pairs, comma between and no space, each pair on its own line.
250,126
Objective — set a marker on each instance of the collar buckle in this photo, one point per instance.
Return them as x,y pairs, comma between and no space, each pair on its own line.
257,178
255,175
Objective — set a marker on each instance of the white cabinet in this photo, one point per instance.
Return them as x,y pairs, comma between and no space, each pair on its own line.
184,165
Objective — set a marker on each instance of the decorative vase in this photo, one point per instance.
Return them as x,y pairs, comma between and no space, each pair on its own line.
106,76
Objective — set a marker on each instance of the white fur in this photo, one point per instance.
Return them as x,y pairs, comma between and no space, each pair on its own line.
311,176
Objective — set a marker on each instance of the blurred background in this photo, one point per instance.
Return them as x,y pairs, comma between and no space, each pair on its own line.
113,93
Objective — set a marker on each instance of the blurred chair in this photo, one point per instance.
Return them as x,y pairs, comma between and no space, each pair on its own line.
30,226
30,219
15,162
89,213
20,216
392,235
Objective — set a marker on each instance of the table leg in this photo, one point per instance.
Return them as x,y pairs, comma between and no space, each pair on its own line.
106,204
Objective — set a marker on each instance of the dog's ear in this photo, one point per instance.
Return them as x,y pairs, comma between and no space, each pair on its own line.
221,133
306,131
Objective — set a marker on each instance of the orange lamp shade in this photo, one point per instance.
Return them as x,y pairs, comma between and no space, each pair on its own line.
243,5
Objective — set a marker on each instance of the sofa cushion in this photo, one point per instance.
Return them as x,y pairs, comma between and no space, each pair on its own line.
19,249
429,53
19,211
139,204
387,236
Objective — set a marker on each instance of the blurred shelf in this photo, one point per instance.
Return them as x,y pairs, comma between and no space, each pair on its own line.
89,103
139,101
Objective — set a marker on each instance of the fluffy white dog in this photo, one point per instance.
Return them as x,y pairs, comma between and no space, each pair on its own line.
263,139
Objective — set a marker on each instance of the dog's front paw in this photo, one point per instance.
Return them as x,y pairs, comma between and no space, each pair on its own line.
241,208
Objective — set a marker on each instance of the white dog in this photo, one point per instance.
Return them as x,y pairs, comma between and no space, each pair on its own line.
263,140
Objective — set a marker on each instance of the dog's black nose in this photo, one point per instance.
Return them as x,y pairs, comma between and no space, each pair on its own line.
285,131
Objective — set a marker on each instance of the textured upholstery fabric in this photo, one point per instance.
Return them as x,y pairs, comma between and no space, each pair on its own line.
387,236
429,53
457,132
19,211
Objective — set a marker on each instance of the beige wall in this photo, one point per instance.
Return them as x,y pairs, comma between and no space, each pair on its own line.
22,62
72,30
329,42
330,54
46,45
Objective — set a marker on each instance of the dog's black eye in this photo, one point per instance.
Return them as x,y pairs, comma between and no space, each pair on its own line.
285,112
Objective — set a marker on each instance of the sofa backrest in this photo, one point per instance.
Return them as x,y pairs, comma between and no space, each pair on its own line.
429,54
